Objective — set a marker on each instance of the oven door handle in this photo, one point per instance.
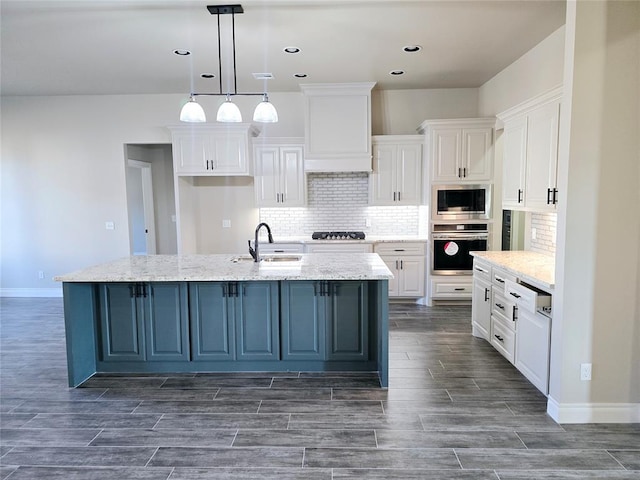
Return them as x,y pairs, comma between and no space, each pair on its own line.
459,236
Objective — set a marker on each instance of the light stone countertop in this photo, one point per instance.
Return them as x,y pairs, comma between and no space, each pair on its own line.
534,268
205,268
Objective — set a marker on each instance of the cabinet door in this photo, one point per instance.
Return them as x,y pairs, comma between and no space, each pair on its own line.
515,154
477,154
481,308
267,179
532,348
257,321
391,264
411,276
383,178
230,154
292,179
542,156
409,174
446,154
192,153
303,313
122,337
211,315
166,321
347,335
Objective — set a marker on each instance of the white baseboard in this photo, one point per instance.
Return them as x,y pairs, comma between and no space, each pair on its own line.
31,292
593,412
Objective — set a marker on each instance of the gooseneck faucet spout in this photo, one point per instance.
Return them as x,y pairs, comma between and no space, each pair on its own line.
255,250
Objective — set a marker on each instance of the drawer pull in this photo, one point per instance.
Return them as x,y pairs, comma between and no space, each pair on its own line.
499,280
500,306
278,251
500,339
513,294
481,270
399,250
486,294
460,289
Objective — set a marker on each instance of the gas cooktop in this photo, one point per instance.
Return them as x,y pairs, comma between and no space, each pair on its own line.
337,235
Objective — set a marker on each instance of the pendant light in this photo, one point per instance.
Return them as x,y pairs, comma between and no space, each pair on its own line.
228,112
192,112
265,112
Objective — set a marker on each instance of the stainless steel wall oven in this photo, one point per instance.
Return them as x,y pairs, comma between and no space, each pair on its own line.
451,244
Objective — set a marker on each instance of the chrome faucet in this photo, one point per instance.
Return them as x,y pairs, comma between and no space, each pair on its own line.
254,251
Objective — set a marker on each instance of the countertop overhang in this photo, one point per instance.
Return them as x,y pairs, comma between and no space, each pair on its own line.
213,268
531,267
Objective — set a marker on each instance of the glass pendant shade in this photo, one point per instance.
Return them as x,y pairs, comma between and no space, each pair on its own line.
229,112
192,112
265,112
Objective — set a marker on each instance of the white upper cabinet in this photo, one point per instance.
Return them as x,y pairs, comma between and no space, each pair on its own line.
460,150
531,154
337,127
279,174
212,150
397,170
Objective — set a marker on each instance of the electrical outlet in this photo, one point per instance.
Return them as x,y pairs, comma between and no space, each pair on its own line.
585,371
109,225
534,234
40,274
226,223
367,222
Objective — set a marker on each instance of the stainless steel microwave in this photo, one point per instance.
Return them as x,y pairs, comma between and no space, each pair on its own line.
461,202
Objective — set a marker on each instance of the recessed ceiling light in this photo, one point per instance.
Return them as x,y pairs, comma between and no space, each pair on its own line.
412,48
291,50
396,72
300,75
263,76
207,75
181,52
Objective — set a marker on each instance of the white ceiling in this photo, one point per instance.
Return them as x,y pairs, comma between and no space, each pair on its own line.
57,47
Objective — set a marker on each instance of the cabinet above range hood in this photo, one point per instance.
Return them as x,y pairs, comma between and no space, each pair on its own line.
337,127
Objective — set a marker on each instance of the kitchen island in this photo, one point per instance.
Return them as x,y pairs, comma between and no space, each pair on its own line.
226,313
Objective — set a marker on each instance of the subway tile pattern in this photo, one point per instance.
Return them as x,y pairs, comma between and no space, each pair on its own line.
455,410
546,226
340,201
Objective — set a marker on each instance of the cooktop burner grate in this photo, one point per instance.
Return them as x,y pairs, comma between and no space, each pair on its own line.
338,235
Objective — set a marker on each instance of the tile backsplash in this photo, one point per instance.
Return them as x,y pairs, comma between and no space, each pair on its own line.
545,225
340,201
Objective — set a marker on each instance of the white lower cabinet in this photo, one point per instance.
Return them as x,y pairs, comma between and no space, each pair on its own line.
505,313
532,348
406,260
451,287
481,300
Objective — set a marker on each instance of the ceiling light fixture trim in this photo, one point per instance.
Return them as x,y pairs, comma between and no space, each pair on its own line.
228,111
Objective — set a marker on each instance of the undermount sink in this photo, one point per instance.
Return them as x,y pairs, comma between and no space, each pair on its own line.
269,259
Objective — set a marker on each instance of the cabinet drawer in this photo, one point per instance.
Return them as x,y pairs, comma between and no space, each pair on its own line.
503,339
281,247
499,278
444,289
502,308
525,297
481,270
401,248
339,248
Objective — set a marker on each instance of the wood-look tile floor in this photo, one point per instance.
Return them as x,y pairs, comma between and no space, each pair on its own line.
455,409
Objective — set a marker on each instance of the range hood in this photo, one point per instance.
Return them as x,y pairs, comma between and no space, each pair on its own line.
337,127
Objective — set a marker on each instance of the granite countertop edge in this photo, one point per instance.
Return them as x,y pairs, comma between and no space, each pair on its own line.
534,268
213,268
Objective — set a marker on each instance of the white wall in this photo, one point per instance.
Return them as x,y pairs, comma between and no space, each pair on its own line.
537,71
596,316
